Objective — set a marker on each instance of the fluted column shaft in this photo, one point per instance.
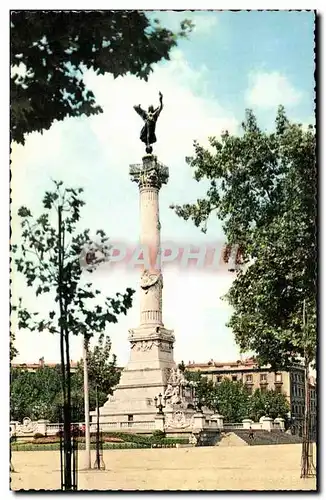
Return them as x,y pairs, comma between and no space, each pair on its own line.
149,177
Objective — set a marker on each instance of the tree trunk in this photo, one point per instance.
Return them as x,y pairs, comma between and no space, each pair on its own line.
65,362
86,405
307,463
67,434
98,458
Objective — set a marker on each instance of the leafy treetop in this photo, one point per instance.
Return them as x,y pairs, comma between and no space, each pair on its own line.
49,257
52,50
263,188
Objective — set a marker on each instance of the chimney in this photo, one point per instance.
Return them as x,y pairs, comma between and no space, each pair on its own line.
41,362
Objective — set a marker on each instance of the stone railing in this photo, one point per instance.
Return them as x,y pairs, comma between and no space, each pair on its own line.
230,426
141,425
28,428
265,423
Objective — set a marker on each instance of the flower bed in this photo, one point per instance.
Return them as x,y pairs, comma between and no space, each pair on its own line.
116,440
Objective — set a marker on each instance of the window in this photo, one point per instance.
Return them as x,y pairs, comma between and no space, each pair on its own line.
278,377
249,379
219,379
130,418
234,378
263,378
278,389
263,388
249,389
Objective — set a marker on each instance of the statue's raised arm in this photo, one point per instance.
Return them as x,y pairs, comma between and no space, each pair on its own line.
160,107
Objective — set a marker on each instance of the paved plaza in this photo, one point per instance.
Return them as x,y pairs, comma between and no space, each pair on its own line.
208,468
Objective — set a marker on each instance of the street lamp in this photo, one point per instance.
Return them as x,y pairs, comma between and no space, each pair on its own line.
267,409
192,385
198,404
160,403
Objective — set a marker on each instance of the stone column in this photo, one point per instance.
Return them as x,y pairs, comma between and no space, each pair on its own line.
42,426
267,423
219,419
280,423
151,343
159,422
199,421
246,423
150,176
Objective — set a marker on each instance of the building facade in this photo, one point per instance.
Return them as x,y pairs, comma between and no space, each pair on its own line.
291,383
32,367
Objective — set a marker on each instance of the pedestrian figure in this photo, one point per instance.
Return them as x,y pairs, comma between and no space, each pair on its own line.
251,435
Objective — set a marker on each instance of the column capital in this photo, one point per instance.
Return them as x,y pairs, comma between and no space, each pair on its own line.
150,173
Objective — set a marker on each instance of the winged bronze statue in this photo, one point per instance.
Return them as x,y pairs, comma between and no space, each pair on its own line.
147,134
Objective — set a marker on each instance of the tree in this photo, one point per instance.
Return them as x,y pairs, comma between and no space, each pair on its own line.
263,188
13,350
205,390
232,400
102,372
38,394
35,394
53,49
268,403
50,259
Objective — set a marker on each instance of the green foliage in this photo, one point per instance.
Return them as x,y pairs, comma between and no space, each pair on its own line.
38,435
263,188
41,253
234,402
102,372
146,440
54,49
268,403
38,394
158,434
205,389
182,366
35,394
13,350
128,444
49,257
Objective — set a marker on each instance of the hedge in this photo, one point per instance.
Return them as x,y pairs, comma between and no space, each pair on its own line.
129,441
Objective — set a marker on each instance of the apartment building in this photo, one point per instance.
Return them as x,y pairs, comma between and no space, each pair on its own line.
32,367
291,383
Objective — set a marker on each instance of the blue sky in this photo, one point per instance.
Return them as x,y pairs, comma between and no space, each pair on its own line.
232,60
232,45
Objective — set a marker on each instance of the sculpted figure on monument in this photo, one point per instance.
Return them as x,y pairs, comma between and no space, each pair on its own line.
148,280
147,134
172,394
176,377
168,392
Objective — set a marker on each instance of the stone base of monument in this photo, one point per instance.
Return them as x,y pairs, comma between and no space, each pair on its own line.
138,414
